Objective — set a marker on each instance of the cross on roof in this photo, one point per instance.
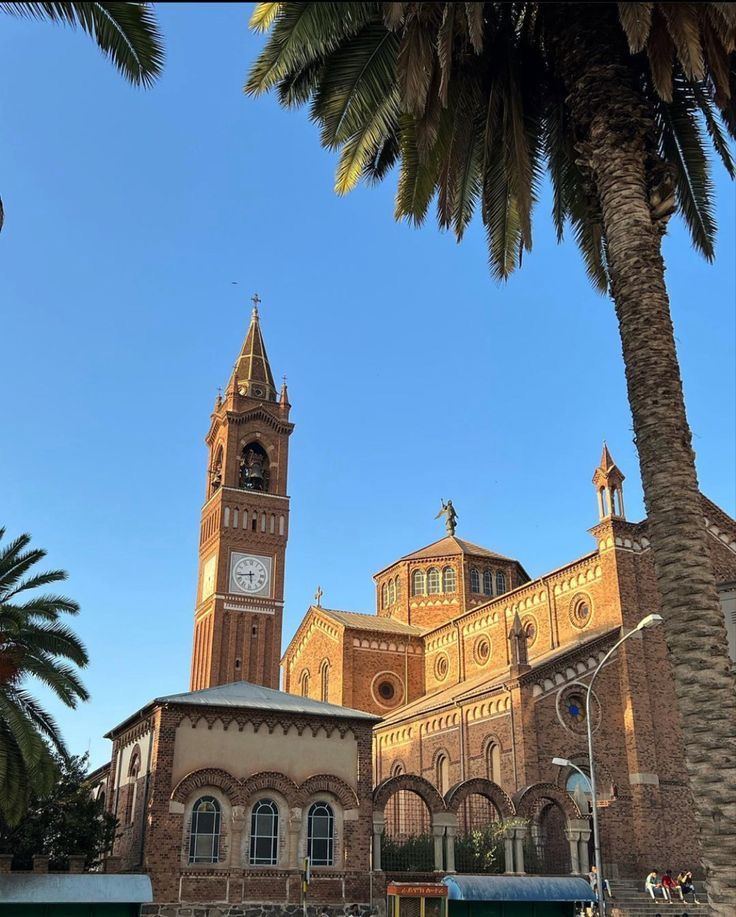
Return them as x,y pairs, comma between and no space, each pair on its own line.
256,300
318,596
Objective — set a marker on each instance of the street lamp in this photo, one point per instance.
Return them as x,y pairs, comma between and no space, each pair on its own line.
648,621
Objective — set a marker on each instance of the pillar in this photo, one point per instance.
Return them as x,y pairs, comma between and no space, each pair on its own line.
519,835
379,825
236,836
295,829
508,847
450,832
573,838
583,852
438,832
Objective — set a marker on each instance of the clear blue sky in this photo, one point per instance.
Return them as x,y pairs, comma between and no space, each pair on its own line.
412,375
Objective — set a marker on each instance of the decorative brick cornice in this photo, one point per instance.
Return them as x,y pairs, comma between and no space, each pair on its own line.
260,415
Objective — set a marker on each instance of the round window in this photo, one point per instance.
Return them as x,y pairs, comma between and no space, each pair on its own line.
441,667
386,690
530,629
571,709
482,650
580,610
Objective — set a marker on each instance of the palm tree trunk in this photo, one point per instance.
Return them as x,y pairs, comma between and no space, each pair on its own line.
612,124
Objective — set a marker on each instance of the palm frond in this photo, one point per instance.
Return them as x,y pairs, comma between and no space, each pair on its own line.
126,33
636,19
263,16
417,176
357,150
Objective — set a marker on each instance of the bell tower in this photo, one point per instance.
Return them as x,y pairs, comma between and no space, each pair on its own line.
244,527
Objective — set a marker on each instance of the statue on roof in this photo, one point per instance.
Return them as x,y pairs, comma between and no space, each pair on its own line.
448,511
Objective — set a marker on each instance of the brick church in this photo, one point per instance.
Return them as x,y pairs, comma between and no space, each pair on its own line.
415,740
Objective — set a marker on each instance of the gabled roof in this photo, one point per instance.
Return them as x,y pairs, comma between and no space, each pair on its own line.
354,620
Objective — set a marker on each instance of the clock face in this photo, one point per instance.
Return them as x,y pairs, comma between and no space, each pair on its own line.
250,574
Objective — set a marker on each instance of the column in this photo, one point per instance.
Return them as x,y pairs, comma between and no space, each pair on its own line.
450,832
295,829
508,846
519,835
583,852
438,832
379,825
236,836
572,838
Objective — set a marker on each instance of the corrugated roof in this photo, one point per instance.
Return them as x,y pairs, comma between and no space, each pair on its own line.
256,697
63,888
518,888
360,621
452,545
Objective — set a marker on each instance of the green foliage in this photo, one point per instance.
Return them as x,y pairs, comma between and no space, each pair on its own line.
65,821
127,33
481,851
34,643
408,854
468,100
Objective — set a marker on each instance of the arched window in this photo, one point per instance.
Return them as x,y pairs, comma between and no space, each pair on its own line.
304,683
264,833
133,772
418,583
254,471
488,583
433,581
474,580
324,679
384,595
216,472
493,762
204,840
448,579
397,589
500,583
391,592
321,834
443,773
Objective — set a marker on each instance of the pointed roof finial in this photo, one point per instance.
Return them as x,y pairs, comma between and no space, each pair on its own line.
253,372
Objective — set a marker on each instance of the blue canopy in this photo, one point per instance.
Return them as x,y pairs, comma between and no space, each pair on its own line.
518,888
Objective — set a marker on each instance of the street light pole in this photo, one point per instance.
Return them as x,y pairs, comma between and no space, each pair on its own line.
648,621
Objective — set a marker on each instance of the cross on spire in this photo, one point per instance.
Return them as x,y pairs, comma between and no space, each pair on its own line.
318,596
256,300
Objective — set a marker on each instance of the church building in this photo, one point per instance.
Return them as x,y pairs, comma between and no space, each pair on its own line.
414,741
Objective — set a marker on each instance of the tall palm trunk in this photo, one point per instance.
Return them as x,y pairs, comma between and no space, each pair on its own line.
612,124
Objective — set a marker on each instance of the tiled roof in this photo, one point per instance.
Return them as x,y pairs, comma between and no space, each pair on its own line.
256,697
358,621
453,545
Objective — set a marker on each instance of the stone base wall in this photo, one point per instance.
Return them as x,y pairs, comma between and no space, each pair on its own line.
255,909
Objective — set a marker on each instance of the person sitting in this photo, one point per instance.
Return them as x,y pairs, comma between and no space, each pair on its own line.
670,886
685,881
652,884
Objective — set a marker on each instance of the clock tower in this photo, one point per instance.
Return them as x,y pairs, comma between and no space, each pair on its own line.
245,524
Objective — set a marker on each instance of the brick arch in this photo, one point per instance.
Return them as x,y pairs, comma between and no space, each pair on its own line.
480,786
207,776
324,783
413,782
270,780
526,800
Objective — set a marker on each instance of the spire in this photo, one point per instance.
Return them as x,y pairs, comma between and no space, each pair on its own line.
284,405
518,637
252,370
608,480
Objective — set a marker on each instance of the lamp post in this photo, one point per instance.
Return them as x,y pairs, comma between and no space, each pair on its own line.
648,621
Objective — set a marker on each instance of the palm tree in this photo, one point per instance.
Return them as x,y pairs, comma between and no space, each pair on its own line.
127,33
33,643
474,101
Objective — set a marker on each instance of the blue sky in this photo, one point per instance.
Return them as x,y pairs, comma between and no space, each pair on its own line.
412,376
